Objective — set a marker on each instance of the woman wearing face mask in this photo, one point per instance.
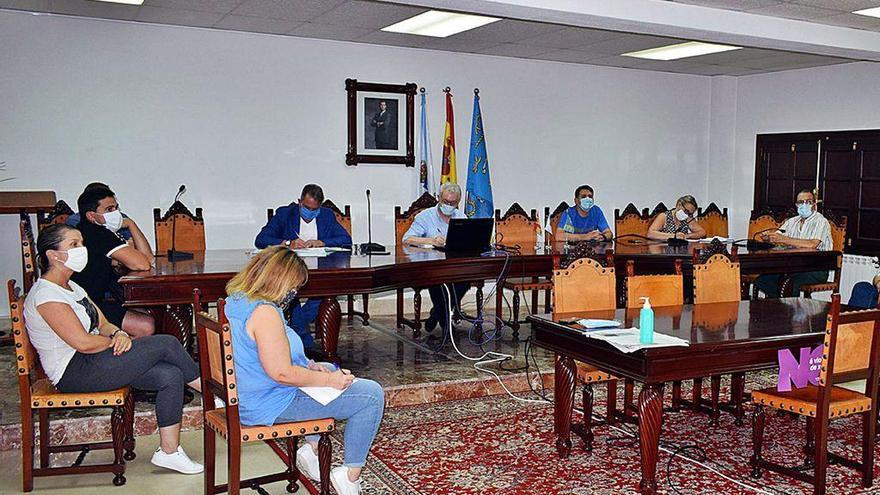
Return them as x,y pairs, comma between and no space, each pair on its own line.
679,222
270,366
81,351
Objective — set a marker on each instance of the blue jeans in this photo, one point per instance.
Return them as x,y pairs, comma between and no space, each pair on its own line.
361,405
301,314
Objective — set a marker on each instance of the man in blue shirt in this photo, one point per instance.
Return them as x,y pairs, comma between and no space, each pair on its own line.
301,225
584,221
430,227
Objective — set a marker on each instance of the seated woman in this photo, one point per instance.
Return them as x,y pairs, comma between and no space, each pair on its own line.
82,352
678,223
270,367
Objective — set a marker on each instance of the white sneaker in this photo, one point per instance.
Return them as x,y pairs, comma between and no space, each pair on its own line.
307,462
339,480
177,461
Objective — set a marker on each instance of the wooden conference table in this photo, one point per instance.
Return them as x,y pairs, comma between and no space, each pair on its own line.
724,338
167,289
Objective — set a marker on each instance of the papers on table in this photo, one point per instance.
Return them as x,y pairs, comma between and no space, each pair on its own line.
316,252
710,239
627,339
336,249
323,395
591,324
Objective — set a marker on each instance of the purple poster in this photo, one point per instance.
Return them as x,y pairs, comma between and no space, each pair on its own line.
800,372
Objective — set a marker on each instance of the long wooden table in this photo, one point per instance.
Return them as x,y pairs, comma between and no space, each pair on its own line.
167,289
724,338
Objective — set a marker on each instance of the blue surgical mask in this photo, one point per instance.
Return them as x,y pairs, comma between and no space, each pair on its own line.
446,209
805,210
307,214
586,203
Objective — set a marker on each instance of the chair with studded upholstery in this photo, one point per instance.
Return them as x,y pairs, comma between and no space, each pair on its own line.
37,394
217,364
552,221
178,226
585,281
713,220
519,230
851,352
760,221
29,271
838,240
630,222
59,214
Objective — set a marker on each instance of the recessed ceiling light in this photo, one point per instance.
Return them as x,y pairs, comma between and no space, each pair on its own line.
681,50
439,24
872,12
127,2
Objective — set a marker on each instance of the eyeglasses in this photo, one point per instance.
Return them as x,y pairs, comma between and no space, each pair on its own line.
804,202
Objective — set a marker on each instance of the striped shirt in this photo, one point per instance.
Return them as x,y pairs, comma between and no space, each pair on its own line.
814,227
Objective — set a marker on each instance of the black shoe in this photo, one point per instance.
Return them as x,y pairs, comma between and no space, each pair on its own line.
431,323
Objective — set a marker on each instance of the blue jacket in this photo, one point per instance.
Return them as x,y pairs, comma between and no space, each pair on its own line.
284,226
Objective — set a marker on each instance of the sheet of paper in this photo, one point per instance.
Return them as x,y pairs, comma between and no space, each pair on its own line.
710,239
323,395
590,324
627,339
336,249
317,252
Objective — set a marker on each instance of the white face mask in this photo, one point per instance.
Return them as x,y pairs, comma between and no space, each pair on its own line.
681,215
77,258
113,220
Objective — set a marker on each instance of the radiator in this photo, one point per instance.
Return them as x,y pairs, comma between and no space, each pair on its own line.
855,269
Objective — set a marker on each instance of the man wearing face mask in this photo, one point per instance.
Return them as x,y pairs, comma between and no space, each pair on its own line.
584,221
73,220
304,224
100,222
430,227
808,230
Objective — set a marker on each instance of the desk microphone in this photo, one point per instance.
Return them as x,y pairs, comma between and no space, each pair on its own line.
173,254
755,245
370,247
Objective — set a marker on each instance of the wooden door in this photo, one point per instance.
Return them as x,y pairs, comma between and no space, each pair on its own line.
785,166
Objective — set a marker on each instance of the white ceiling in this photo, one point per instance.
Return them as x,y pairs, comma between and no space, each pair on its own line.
361,20
832,12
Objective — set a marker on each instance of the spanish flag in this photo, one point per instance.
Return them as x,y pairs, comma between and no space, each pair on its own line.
447,171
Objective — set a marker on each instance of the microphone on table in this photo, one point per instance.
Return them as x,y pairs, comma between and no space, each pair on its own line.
370,247
174,254
755,245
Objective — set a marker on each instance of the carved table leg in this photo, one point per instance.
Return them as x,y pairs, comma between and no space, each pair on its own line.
564,394
328,322
176,320
737,392
650,415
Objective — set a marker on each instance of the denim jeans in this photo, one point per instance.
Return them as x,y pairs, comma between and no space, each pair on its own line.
301,314
361,405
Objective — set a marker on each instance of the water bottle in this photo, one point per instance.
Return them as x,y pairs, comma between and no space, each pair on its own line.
646,323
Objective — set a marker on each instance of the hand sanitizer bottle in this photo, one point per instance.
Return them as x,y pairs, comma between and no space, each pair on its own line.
646,323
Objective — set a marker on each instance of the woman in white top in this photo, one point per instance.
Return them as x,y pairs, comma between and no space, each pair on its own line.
82,352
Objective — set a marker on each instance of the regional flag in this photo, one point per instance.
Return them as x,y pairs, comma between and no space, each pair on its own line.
426,167
447,170
479,185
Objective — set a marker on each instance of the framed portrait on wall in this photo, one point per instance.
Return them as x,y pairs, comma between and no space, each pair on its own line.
380,123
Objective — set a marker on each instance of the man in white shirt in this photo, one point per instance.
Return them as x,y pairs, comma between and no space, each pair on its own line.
808,230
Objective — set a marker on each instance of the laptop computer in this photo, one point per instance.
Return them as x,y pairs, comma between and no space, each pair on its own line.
468,236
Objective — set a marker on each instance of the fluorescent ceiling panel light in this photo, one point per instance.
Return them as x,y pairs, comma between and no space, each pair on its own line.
681,50
127,2
439,24
872,12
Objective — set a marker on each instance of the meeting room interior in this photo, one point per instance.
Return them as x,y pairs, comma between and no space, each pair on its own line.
463,247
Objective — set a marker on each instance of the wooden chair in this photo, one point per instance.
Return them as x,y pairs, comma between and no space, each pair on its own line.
660,208
553,223
518,229
716,280
59,214
713,220
402,222
188,229
838,240
344,218
38,394
29,271
760,221
851,353
630,222
583,283
217,364
663,291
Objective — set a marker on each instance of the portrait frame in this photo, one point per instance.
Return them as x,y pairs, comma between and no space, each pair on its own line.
364,145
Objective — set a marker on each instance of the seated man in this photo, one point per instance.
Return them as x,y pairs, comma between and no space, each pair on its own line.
100,222
430,227
73,220
584,221
808,230
301,225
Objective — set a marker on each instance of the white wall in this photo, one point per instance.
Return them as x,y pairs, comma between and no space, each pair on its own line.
246,119
838,97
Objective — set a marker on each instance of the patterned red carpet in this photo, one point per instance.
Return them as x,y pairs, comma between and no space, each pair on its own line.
499,446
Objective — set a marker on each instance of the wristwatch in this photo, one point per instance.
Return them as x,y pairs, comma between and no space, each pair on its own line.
118,330
286,243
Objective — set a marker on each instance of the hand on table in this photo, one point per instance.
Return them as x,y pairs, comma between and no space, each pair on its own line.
439,240
314,243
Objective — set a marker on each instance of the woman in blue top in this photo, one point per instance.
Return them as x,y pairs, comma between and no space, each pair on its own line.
584,221
271,366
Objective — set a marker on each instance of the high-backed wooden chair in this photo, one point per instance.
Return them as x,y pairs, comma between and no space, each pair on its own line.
851,353
37,393
713,220
764,220
59,214
583,283
344,218
631,222
838,240
188,229
402,222
716,280
29,272
660,208
518,229
217,364
554,217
